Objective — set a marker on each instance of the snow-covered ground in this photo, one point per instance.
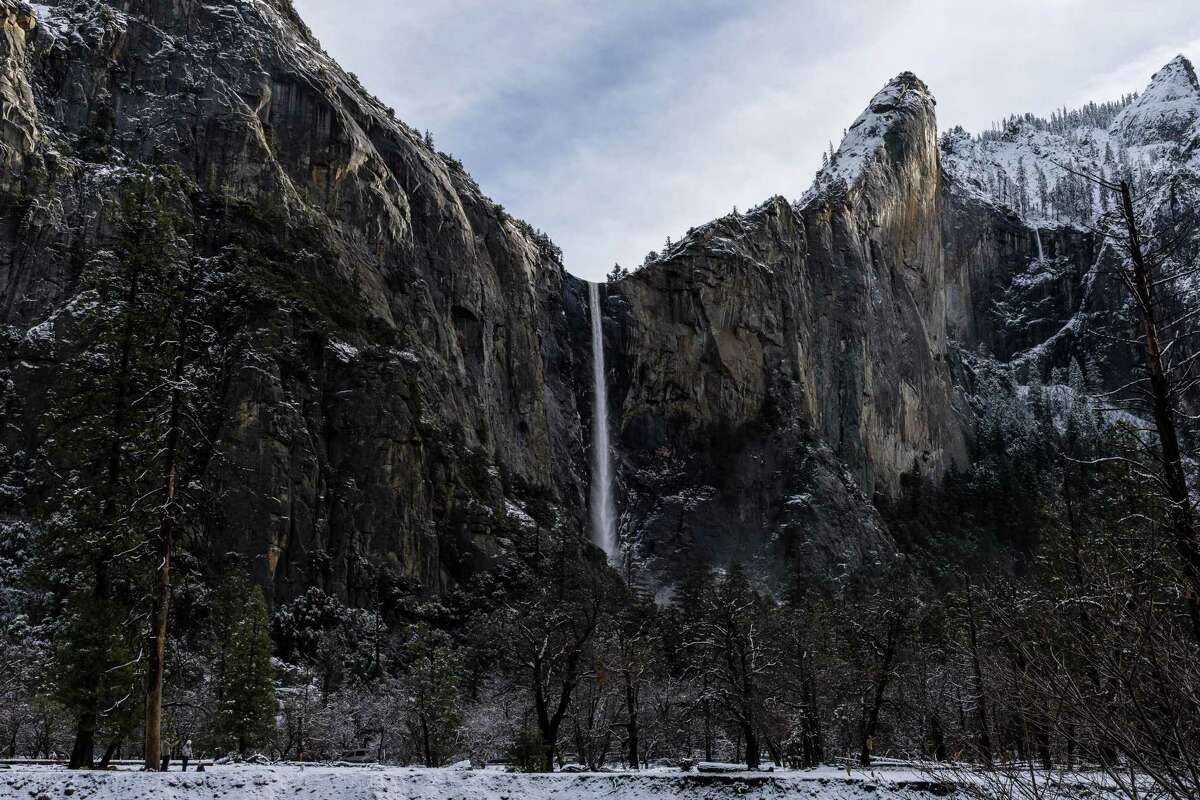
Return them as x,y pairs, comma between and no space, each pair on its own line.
373,782
383,783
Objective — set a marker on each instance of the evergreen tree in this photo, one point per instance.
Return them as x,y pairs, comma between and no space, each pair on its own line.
435,672
244,686
102,433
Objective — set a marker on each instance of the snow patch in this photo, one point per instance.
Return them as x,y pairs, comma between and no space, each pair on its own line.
904,95
343,352
514,511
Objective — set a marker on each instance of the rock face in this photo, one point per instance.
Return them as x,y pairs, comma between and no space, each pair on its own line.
415,385
830,325
407,391
18,123
764,343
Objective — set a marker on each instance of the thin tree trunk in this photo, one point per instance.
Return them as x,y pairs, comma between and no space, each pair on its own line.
109,752
162,578
985,741
814,749
937,738
708,739
429,760
631,707
871,722
1163,405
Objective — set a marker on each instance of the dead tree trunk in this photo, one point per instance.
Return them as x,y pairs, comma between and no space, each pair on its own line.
1163,405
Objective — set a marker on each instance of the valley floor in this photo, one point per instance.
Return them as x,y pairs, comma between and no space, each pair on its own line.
369,782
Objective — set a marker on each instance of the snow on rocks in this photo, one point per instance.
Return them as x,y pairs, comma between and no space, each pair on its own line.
343,351
1035,168
1166,111
903,96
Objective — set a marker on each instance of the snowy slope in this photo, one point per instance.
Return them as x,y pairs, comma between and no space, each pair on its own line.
1166,112
1049,307
1027,165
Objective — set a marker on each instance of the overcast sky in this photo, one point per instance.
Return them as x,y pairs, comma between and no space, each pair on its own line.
613,124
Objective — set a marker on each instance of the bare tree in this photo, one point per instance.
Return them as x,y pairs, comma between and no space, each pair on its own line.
552,628
734,653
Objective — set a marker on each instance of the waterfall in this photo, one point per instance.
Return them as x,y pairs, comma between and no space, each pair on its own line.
1037,234
604,516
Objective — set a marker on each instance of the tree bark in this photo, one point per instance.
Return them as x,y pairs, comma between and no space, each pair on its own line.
871,722
753,750
429,760
83,753
109,752
162,577
631,708
937,738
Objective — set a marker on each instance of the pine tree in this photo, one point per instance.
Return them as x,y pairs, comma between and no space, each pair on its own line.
435,671
101,432
244,685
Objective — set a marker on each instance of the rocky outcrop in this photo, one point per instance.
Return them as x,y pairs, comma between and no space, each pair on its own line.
767,350
1166,112
18,114
839,321
405,398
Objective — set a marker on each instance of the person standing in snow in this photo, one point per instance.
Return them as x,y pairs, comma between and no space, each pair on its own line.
185,753
166,754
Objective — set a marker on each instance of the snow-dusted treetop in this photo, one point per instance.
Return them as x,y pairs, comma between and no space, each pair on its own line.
1028,165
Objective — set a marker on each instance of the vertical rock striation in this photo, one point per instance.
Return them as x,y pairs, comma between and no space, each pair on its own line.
417,384
406,396
766,350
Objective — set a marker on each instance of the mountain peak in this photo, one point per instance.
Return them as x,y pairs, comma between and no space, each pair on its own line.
906,89
1179,64
1166,111
903,102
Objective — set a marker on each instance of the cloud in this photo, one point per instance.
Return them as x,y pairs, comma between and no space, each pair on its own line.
612,125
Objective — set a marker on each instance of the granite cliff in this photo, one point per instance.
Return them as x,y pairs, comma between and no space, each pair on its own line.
416,383
406,389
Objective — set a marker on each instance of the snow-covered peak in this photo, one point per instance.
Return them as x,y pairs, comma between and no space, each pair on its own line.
1166,111
904,90
904,97
1034,166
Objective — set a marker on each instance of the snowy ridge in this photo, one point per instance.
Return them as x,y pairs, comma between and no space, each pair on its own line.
903,96
1028,167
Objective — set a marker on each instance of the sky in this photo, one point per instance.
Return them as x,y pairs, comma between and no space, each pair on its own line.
612,125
